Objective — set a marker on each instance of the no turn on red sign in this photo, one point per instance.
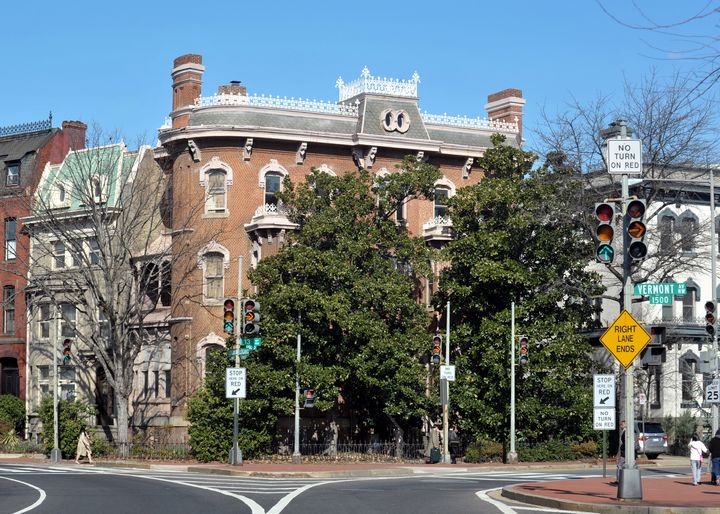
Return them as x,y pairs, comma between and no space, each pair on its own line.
624,156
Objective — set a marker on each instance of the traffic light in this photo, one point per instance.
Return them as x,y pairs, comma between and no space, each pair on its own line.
604,232
710,318
437,350
635,230
251,317
310,396
67,344
229,317
524,356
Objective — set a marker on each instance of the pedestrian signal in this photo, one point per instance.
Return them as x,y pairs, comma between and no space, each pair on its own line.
310,396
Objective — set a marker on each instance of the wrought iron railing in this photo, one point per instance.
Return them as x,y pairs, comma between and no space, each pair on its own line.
27,128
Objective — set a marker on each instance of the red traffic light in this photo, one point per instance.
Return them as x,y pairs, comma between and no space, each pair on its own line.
604,212
249,305
229,304
636,209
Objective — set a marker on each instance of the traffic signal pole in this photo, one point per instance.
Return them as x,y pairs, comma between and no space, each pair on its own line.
55,454
512,454
446,407
630,485
713,278
296,456
236,458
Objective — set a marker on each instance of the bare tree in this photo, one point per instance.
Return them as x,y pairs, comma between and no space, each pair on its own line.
678,136
101,242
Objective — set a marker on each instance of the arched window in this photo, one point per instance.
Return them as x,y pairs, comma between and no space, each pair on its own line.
59,254
213,260
688,233
215,177
214,276
216,191
688,369
667,228
442,194
206,345
273,185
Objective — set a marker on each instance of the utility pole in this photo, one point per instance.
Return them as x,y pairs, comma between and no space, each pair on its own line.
713,278
55,453
296,456
236,458
512,454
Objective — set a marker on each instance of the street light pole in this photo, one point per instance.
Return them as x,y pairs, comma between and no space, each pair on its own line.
446,406
512,454
236,458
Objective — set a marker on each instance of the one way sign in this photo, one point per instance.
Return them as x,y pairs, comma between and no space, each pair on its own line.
234,382
604,391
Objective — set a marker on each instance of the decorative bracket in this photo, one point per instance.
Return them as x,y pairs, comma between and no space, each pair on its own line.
247,150
468,167
421,157
300,155
194,150
357,156
370,158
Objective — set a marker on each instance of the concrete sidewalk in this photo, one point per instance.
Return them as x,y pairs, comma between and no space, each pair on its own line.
660,495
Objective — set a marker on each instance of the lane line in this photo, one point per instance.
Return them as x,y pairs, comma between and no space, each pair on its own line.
37,502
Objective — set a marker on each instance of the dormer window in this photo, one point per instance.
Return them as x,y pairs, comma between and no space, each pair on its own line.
12,178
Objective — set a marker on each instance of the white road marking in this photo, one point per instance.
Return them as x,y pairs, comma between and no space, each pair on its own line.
37,502
507,509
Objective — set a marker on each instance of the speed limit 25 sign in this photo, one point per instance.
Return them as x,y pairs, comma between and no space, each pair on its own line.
712,394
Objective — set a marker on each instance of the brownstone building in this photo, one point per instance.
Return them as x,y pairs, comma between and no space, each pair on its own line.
228,154
24,151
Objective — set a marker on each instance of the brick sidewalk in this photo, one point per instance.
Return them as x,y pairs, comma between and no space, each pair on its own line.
659,494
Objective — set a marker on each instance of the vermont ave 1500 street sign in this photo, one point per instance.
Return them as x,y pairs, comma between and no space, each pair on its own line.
625,338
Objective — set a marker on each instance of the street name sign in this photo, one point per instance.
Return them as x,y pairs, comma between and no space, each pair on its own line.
624,156
660,294
712,394
625,338
235,382
448,373
604,391
604,419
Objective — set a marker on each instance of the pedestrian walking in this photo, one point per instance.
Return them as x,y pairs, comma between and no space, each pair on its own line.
434,445
714,449
83,447
620,453
697,449
453,444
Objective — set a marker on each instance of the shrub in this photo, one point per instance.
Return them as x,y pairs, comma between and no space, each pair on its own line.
72,416
546,451
484,451
586,449
12,411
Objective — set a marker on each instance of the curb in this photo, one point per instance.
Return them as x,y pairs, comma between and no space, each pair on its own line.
510,493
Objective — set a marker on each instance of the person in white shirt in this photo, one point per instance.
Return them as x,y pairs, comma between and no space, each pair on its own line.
697,449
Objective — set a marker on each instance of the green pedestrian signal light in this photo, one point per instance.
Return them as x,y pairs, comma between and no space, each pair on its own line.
66,352
635,230
604,232
229,317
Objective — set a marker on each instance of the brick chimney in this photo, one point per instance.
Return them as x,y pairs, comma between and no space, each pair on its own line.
187,86
506,105
234,88
73,135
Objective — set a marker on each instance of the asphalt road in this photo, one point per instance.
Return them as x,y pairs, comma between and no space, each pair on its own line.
48,489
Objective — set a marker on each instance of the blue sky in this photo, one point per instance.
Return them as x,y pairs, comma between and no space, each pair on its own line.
111,66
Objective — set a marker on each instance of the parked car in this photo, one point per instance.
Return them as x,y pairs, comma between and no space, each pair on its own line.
651,439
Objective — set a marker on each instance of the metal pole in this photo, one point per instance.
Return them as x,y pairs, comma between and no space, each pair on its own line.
630,486
713,278
236,453
296,456
446,407
512,454
55,454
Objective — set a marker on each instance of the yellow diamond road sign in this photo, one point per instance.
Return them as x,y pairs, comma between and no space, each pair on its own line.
625,338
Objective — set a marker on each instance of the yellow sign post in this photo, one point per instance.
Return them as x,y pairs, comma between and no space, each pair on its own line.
625,338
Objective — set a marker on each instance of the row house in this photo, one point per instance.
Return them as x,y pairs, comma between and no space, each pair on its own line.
228,154
24,151
99,252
